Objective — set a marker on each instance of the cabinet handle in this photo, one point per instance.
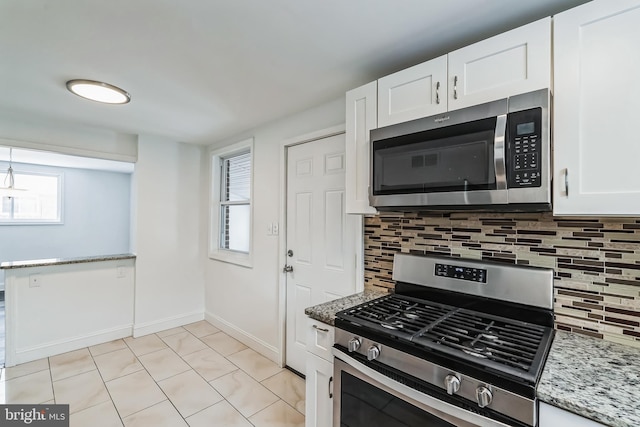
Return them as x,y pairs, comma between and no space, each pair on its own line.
320,329
455,87
566,182
330,392
437,93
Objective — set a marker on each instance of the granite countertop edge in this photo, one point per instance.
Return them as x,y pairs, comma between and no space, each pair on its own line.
62,261
593,378
326,312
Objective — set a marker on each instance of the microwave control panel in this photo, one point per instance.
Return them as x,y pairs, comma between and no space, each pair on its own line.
524,148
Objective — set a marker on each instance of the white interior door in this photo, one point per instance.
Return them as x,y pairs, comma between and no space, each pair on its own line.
320,236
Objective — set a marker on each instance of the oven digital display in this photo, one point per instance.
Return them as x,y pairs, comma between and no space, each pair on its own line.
463,273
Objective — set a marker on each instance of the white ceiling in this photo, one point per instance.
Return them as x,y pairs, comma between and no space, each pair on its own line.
202,70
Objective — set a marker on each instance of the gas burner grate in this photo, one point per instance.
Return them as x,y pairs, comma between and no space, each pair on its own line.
469,334
402,315
504,341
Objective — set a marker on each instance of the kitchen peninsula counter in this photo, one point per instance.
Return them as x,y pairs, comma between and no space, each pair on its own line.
62,261
596,379
83,301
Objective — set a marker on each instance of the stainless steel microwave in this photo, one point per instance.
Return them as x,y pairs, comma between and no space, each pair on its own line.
493,156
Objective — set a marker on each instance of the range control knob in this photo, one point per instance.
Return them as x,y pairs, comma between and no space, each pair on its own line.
452,384
354,344
483,396
373,353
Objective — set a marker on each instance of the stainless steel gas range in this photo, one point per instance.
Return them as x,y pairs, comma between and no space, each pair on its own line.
461,343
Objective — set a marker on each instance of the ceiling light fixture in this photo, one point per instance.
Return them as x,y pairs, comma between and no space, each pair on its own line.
9,189
98,91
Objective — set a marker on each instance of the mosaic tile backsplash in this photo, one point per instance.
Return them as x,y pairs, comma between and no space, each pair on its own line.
596,260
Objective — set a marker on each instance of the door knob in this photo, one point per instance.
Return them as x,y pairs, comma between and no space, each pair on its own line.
287,269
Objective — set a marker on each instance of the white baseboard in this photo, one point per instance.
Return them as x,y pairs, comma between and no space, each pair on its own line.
62,346
264,348
141,329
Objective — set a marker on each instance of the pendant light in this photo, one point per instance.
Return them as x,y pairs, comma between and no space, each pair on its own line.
8,189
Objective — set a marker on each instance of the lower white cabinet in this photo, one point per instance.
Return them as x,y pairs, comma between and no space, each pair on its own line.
320,337
319,375
319,389
551,416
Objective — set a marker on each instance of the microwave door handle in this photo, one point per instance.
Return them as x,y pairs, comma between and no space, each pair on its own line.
499,149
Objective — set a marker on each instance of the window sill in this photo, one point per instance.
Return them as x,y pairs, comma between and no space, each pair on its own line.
243,260
31,222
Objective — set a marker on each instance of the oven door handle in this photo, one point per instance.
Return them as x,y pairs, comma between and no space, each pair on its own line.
499,150
443,410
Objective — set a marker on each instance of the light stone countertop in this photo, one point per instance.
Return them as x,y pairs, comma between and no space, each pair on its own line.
326,312
61,261
596,379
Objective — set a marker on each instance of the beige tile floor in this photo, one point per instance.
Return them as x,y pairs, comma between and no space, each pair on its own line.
192,376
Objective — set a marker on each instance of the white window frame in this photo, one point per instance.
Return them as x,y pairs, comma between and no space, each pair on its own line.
58,221
216,250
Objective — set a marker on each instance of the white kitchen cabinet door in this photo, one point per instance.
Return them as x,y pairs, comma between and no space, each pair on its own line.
416,92
320,337
517,61
319,392
550,416
361,118
596,105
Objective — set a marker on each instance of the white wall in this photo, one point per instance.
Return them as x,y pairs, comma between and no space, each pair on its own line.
166,238
244,301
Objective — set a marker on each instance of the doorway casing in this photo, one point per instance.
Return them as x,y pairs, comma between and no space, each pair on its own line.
282,238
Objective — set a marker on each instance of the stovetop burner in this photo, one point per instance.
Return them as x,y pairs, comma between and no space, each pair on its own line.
506,344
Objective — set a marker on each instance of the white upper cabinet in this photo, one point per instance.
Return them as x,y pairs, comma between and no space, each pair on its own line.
517,61
596,106
419,91
514,62
361,118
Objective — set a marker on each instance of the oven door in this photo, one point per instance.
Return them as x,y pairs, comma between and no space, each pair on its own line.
364,397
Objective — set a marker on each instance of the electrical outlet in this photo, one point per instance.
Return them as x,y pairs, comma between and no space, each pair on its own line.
35,280
269,229
276,228
120,273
